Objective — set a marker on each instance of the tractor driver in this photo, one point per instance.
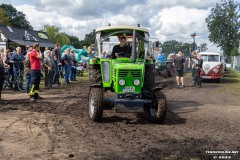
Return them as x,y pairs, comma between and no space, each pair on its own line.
121,50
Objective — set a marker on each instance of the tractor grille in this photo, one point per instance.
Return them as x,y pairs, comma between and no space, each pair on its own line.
129,73
114,72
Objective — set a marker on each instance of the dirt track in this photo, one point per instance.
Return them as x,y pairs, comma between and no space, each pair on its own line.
57,127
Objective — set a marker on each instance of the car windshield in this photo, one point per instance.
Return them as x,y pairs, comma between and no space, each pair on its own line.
210,58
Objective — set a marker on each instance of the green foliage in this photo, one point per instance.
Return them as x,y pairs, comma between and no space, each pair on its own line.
203,47
88,40
224,25
74,41
235,52
63,39
52,32
4,19
16,18
174,46
55,35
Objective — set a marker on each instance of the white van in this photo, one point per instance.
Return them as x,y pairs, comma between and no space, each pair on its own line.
213,65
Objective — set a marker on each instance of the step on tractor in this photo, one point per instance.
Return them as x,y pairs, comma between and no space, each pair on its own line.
129,77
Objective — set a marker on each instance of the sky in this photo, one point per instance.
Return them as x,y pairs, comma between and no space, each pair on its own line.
165,19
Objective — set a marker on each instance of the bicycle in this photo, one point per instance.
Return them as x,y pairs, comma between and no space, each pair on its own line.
20,84
18,78
7,82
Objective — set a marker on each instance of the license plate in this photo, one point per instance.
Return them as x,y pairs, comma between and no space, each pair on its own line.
156,66
207,77
129,89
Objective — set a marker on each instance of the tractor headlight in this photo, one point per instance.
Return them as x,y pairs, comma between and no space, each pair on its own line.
215,70
122,82
136,82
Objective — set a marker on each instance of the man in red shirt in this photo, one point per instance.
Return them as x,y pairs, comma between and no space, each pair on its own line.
35,63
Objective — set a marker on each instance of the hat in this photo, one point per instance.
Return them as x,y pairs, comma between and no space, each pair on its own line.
27,46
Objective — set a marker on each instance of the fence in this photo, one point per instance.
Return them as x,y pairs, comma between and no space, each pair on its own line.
235,62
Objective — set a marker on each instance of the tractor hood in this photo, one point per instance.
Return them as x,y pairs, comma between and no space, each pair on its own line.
128,66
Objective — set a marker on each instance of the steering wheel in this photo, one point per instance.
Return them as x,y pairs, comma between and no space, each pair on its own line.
123,54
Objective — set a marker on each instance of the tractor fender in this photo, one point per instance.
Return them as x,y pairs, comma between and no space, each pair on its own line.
96,85
155,89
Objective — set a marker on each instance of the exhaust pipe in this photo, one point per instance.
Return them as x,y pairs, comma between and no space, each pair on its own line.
134,53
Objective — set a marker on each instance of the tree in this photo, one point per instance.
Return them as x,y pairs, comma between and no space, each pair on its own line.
174,46
88,40
52,32
74,41
4,19
203,47
16,18
223,24
55,35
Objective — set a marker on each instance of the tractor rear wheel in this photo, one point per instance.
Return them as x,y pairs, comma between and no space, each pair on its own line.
95,104
157,110
95,76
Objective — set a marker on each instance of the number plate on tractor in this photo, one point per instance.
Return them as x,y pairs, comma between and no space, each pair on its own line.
128,89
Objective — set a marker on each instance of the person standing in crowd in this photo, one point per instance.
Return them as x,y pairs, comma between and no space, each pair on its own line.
67,60
197,69
49,67
17,59
179,64
1,76
73,74
192,63
35,63
2,53
27,69
9,65
26,50
57,58
45,52
7,60
104,55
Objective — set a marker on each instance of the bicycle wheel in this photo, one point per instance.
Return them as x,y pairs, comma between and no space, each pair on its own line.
5,85
21,85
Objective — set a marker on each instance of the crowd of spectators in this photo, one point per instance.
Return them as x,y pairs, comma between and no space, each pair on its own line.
54,66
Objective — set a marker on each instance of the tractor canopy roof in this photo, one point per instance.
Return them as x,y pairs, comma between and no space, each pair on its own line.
109,29
123,30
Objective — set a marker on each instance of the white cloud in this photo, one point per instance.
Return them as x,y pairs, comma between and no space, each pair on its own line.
165,19
179,22
198,4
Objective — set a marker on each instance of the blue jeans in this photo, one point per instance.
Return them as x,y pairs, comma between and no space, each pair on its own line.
28,83
67,72
73,73
56,74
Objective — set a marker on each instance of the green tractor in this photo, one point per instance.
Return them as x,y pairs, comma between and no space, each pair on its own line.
131,79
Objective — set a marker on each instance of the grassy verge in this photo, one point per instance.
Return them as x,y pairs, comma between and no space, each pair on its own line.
231,82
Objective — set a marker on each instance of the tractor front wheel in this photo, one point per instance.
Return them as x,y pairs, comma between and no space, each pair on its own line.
95,104
158,108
